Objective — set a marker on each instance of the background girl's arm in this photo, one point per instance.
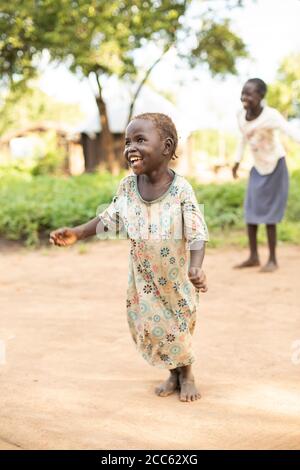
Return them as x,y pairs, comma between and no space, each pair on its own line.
238,156
282,124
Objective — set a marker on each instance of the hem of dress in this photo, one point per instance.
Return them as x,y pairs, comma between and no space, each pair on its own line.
263,222
172,367
189,363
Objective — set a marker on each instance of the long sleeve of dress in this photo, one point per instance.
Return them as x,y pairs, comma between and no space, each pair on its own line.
194,226
240,149
284,126
261,134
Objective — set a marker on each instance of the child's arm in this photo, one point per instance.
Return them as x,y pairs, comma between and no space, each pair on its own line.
196,234
282,124
196,273
107,220
67,236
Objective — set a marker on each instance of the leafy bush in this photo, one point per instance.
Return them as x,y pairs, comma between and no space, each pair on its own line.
32,206
293,207
223,203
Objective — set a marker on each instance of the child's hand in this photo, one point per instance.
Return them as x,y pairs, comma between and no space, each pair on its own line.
63,236
198,278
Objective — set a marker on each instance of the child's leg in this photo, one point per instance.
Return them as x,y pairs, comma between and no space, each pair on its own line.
188,389
169,386
253,259
272,238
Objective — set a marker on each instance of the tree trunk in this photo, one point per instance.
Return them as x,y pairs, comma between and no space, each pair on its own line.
107,137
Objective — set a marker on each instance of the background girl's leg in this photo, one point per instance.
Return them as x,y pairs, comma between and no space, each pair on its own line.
252,236
272,239
253,259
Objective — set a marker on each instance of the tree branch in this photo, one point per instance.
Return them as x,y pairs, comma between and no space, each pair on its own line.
99,85
143,81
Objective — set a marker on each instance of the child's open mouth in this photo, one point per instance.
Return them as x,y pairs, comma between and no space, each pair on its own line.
135,162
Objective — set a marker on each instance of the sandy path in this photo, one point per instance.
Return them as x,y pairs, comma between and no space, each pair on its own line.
73,379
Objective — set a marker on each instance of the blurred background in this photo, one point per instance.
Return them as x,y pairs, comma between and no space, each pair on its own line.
73,73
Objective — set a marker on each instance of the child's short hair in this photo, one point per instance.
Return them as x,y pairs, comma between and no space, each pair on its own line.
260,85
165,127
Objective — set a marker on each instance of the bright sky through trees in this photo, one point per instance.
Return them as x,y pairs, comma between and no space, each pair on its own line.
270,28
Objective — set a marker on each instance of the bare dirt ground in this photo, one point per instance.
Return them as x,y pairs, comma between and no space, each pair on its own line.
73,379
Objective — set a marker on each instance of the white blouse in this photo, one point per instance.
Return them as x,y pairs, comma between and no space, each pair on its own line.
262,135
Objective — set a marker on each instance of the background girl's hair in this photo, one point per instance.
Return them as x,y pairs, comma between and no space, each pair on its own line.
260,85
165,127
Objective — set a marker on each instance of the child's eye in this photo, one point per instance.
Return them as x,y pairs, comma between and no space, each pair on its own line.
141,139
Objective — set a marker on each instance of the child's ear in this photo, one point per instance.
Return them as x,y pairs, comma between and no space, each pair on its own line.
169,146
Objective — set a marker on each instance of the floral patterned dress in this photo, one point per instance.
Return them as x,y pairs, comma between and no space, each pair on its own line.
161,301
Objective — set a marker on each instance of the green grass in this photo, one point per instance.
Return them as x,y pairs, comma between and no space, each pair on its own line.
32,206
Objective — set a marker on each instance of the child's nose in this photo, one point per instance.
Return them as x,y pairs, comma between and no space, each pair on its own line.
131,149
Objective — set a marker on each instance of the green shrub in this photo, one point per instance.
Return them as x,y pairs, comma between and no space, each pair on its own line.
32,206
223,203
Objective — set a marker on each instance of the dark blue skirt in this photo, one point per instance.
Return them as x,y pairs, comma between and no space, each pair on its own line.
267,195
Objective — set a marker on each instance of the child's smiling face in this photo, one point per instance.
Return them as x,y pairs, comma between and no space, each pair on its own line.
145,148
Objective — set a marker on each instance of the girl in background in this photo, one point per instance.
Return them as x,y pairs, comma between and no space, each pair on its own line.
268,185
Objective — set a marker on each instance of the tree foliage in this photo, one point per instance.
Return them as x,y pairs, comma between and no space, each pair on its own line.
218,47
99,38
284,92
20,110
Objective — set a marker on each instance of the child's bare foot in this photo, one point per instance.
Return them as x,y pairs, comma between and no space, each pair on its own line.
249,263
270,267
169,386
188,389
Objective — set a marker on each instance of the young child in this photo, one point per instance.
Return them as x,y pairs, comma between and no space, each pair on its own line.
158,211
267,192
